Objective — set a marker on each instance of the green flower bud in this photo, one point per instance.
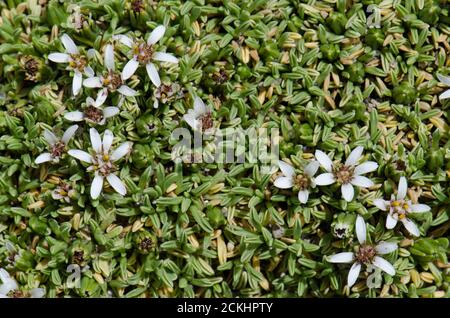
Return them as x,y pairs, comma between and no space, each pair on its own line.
330,51
375,38
336,21
404,93
355,72
32,66
305,132
343,224
142,155
430,13
244,72
80,252
147,124
145,241
358,107
216,217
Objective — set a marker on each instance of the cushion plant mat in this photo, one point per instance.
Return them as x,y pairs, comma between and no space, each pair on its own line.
94,204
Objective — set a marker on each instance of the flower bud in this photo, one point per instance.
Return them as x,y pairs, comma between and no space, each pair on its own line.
343,224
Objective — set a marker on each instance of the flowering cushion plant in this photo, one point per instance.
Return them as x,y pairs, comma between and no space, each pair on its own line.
100,99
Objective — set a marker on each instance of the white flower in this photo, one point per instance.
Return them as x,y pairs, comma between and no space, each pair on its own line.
102,161
398,209
199,118
348,174
57,146
63,191
93,113
111,81
366,254
165,93
446,81
301,182
10,288
77,62
144,53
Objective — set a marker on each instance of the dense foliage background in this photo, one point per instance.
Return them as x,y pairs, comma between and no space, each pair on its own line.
317,70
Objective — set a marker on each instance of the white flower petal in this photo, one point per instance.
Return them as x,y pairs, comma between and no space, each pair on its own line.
353,274
125,90
121,151
92,82
345,257
80,155
384,265
386,247
59,57
362,182
286,168
284,182
420,208
129,69
68,134
4,275
45,157
410,226
361,230
101,97
108,138
311,168
50,137
199,106
117,184
303,196
156,34
381,204
153,74
165,57
347,191
97,186
37,293
74,116
109,57
391,222
445,94
88,71
110,111
91,53
96,140
324,160
8,285
90,101
76,83
191,120
125,40
325,179
444,79
69,44
366,167
402,188
354,156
